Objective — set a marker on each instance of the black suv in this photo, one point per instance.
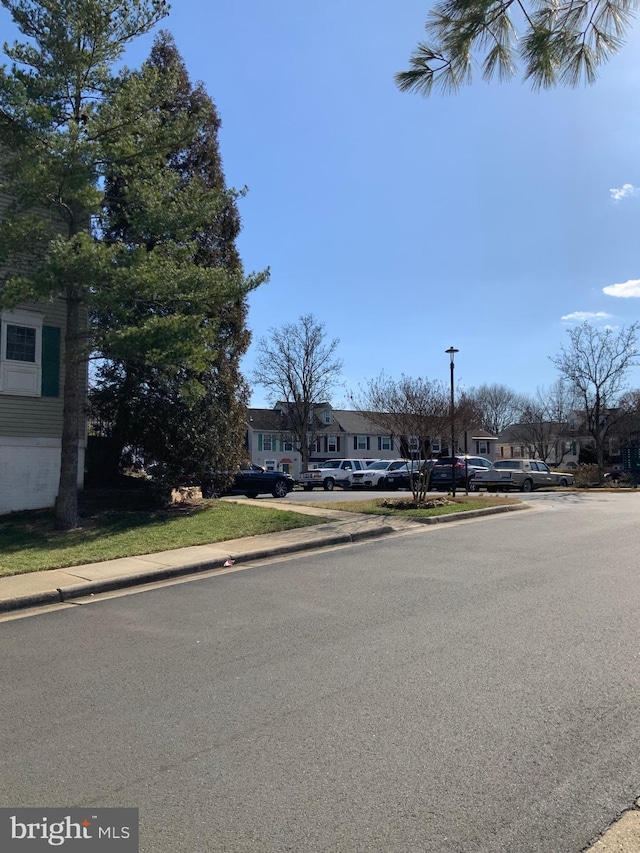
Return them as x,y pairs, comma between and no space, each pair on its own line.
464,467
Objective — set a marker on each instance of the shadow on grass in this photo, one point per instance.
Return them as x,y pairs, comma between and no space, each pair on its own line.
30,531
29,541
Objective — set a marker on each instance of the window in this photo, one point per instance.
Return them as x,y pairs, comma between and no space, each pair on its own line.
361,442
332,444
414,445
21,343
266,441
327,417
29,355
436,445
483,448
287,444
385,442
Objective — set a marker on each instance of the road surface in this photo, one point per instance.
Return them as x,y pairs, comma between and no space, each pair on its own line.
474,686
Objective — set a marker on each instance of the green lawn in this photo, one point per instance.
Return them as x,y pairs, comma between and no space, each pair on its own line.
29,542
394,506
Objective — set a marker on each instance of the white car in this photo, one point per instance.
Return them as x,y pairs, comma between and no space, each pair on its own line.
375,476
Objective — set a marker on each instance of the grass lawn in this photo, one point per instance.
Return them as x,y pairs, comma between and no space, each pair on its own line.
30,543
393,506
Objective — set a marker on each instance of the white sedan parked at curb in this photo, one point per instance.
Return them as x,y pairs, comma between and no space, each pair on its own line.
375,476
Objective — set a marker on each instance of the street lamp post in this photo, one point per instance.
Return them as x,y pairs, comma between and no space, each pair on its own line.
451,352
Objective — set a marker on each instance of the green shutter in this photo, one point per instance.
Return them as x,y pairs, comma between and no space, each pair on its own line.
50,361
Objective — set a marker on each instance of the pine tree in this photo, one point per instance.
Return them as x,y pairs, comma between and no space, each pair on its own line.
52,126
185,417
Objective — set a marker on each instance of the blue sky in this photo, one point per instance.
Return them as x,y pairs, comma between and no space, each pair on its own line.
491,220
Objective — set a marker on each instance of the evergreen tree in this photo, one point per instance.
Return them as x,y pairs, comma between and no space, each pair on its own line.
187,418
549,41
67,120
51,132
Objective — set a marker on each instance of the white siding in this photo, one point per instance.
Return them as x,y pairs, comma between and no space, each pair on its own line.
29,473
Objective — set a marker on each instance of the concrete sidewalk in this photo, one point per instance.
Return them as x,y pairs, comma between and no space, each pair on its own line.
58,585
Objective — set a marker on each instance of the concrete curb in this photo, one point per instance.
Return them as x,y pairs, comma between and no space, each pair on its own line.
71,591
623,836
63,594
471,513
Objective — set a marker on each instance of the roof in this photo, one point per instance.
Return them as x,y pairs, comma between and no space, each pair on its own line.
266,419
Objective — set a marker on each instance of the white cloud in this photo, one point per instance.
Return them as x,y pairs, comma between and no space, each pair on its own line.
583,316
624,191
624,289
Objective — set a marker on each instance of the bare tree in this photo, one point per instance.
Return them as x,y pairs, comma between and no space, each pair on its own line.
596,363
299,368
543,428
413,412
497,406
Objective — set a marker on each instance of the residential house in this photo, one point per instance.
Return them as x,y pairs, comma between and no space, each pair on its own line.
31,403
339,434
478,442
564,442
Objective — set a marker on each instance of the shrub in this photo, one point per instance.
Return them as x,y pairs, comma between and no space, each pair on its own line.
586,475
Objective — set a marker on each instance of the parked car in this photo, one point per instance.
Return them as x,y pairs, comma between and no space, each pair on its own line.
465,468
334,472
253,481
400,478
375,476
523,474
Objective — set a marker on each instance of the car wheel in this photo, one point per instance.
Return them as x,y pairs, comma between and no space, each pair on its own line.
563,482
527,486
492,488
280,489
210,492
382,483
251,495
329,484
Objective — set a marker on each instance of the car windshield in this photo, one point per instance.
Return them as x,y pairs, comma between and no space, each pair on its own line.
379,466
333,463
508,463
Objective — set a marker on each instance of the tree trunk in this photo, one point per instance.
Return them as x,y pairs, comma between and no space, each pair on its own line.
304,452
66,509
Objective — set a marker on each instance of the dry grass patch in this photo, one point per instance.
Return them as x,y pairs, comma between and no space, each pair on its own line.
408,508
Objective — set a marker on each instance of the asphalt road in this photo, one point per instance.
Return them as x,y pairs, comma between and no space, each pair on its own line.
471,687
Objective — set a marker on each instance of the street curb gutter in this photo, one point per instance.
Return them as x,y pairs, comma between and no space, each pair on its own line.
67,593
623,836
471,513
81,590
